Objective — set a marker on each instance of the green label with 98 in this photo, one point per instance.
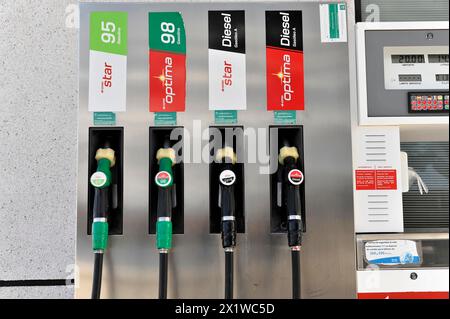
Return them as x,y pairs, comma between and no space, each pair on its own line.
166,32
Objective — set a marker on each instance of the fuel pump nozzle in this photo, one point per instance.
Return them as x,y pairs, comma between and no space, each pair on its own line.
164,179
227,158
101,180
291,178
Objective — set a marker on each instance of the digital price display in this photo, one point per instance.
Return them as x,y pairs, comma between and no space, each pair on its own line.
442,77
410,77
438,58
408,58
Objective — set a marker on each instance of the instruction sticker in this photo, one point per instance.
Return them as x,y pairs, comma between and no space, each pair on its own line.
284,61
391,252
104,118
108,62
225,117
226,60
165,118
167,62
285,117
333,22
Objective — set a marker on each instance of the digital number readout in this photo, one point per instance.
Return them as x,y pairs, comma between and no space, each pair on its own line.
442,77
438,58
410,78
408,58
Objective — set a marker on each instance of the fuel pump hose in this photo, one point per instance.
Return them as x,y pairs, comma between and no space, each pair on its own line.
292,178
101,181
164,179
227,158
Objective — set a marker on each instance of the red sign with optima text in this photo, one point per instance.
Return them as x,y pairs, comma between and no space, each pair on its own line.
167,81
284,61
285,85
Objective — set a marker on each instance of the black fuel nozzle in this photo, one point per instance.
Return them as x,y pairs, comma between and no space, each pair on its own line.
226,158
292,178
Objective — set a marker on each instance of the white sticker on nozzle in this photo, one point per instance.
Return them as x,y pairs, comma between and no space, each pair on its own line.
296,177
163,179
227,177
98,179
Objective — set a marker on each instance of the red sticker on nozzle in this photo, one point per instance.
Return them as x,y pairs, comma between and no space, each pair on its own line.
296,177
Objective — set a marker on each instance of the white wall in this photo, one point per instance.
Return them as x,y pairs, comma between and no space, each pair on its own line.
38,138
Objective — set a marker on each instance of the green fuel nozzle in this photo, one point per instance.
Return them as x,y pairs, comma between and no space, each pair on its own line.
101,180
164,179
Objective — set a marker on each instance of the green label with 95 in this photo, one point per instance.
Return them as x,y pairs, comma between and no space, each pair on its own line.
108,32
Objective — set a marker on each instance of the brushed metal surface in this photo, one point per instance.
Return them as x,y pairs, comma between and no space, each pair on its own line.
263,264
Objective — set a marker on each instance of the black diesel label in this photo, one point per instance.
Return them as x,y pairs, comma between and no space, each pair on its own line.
284,30
227,30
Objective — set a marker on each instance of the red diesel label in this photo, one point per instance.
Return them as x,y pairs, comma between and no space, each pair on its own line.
284,61
376,179
167,81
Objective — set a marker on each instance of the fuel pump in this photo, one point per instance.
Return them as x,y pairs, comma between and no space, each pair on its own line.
101,180
227,159
289,180
164,179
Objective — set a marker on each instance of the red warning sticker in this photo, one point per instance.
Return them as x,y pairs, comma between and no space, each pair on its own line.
365,180
376,179
386,179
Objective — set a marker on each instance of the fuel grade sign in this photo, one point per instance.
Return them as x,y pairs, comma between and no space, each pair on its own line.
284,61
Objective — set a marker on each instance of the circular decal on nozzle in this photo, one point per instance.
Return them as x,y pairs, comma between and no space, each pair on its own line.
163,179
98,179
227,177
296,177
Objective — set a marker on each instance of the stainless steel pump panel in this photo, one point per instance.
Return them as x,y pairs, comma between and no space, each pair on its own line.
262,258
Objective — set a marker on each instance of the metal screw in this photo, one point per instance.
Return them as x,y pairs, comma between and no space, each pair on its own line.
430,36
413,276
